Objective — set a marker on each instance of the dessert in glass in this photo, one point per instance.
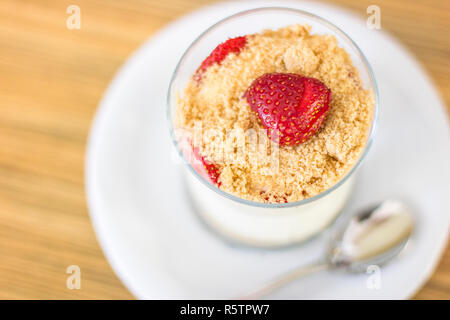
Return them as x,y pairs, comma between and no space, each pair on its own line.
273,110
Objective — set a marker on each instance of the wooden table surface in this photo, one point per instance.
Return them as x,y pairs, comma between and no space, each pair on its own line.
51,80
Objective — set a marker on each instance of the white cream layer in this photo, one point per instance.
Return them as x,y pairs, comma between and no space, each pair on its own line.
266,227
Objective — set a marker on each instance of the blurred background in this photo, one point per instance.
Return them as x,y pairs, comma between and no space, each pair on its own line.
51,81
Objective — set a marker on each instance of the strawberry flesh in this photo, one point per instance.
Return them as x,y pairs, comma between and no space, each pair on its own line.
291,107
233,45
208,170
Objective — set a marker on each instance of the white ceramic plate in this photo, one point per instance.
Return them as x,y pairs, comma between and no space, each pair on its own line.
155,242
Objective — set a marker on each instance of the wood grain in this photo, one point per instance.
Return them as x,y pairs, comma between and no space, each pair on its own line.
51,80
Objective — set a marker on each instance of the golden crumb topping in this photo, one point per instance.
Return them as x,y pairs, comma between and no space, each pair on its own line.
227,132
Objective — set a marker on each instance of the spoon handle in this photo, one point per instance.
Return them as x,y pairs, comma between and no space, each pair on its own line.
283,279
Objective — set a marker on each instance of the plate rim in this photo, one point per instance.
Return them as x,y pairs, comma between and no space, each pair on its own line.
100,115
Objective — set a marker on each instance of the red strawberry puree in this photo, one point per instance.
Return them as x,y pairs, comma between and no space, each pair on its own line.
277,116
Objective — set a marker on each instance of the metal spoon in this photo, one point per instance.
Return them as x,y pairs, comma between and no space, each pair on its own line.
371,237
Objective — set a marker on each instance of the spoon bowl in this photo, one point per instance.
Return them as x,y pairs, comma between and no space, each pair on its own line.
371,237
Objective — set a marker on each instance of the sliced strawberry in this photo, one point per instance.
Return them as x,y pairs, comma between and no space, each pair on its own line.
208,170
233,45
291,107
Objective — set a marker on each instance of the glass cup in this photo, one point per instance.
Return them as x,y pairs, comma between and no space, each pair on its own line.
249,222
